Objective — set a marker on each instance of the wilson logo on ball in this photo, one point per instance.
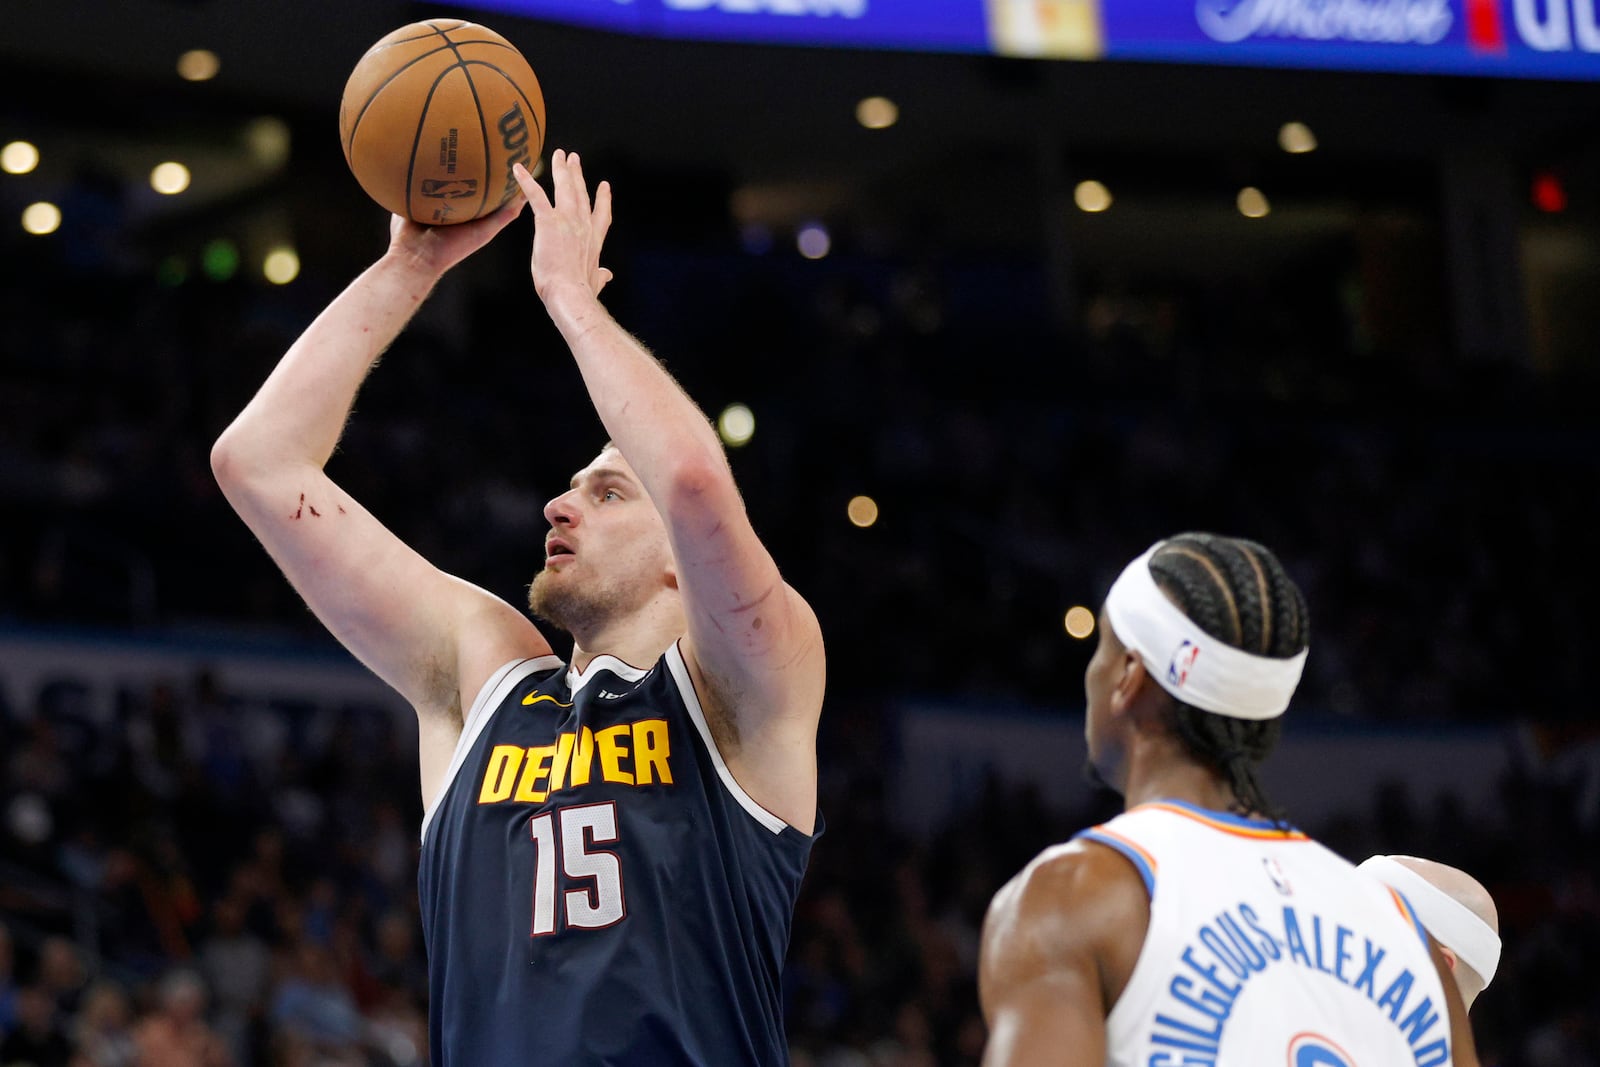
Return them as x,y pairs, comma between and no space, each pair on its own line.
514,138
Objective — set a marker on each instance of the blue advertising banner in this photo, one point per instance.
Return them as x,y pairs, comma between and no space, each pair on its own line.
1496,38
914,25
1555,39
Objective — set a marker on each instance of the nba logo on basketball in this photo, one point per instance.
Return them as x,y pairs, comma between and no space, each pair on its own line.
1182,662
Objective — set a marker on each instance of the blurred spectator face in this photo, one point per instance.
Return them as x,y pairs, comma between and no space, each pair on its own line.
105,1007
395,936
183,997
61,966
36,1011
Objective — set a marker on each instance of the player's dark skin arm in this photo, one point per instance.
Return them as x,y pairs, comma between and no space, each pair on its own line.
1059,944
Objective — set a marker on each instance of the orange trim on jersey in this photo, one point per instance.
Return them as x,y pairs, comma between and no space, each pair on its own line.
1134,845
1260,833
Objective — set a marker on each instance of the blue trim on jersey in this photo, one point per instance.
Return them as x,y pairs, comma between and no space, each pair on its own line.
1422,931
1137,860
1233,818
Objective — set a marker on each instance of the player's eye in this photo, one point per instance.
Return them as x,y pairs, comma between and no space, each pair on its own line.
610,494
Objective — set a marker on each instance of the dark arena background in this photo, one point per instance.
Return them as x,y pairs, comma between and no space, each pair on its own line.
985,299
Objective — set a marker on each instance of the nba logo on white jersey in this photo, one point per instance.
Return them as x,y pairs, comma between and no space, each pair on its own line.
1275,871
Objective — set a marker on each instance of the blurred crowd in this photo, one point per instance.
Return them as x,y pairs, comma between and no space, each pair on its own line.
172,894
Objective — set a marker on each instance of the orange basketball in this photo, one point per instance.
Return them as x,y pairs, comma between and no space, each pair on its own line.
434,116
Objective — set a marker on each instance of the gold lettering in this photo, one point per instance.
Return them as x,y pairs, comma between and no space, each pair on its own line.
650,750
537,768
501,774
583,758
612,752
558,770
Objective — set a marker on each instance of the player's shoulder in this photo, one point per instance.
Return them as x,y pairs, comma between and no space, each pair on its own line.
1076,884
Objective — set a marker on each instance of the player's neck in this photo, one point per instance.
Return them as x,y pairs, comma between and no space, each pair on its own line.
638,638
1159,774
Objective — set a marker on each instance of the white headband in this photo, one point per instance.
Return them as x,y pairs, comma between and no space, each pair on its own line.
1189,663
1451,922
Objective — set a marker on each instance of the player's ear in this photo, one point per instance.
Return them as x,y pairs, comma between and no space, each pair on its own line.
1129,681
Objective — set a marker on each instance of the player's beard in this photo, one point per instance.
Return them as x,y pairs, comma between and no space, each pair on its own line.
577,607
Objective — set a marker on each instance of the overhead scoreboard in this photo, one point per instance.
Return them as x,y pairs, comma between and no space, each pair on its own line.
1543,39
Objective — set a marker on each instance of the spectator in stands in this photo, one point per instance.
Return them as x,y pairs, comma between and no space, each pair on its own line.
102,1033
36,1040
176,1034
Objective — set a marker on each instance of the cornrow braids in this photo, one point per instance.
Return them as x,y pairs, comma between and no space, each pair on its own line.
1236,591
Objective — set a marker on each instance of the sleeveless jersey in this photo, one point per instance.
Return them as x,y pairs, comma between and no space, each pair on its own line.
1264,947
596,889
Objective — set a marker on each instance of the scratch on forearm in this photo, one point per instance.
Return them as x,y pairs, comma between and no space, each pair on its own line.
303,507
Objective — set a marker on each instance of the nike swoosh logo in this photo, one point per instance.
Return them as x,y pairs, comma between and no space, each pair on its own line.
534,698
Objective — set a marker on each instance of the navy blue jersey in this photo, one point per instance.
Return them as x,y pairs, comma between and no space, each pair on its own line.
595,886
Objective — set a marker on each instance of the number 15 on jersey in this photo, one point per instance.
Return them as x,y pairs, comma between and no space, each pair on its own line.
568,837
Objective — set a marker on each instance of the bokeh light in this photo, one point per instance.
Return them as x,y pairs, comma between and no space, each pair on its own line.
1253,203
41,218
18,157
877,113
281,266
1091,196
1079,622
169,178
736,425
198,65
863,511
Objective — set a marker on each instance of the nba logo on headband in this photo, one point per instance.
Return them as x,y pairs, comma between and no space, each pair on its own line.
1182,661
1226,680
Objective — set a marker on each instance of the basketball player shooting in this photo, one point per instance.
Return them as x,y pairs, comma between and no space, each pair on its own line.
611,847
1196,927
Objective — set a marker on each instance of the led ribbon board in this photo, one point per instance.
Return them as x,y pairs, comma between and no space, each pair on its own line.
1553,39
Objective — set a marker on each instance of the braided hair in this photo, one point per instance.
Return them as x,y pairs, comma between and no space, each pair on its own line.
1236,591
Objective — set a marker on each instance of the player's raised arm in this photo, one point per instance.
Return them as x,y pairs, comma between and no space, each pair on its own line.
399,615
753,643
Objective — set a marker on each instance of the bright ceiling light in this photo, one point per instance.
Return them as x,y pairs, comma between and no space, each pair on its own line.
862,511
41,218
281,266
1079,622
736,425
169,178
813,240
1253,203
18,157
1297,138
198,65
1091,196
877,113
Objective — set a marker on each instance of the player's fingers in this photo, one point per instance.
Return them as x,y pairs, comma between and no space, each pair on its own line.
571,193
532,190
600,222
605,276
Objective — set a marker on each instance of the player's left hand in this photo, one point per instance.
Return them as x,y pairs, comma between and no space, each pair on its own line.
567,230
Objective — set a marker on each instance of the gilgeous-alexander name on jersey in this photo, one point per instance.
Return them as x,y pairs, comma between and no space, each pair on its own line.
1264,947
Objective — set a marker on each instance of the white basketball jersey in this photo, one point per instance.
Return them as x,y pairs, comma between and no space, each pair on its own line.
1267,949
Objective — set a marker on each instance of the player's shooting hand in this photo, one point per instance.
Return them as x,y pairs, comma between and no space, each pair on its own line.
436,249
567,229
